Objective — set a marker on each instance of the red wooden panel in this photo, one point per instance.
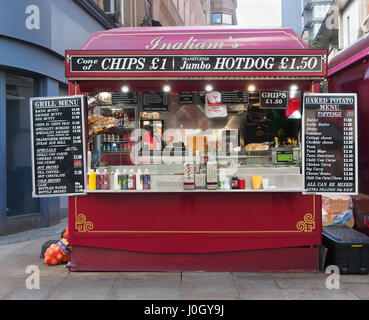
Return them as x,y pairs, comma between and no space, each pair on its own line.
194,222
271,260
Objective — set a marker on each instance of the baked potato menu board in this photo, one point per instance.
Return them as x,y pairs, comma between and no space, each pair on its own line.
58,146
330,143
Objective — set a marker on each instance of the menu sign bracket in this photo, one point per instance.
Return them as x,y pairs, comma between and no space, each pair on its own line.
330,152
58,146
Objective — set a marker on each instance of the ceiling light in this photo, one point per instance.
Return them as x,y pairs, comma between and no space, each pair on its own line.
125,89
166,88
208,88
251,88
294,87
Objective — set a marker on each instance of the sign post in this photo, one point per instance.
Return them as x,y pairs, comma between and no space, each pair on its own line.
58,146
330,143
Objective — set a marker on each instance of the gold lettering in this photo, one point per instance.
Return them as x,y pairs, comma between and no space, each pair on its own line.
188,43
155,43
177,45
191,43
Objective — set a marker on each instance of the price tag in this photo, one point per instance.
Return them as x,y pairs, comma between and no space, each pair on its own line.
274,99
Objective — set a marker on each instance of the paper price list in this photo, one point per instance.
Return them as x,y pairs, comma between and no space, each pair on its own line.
58,146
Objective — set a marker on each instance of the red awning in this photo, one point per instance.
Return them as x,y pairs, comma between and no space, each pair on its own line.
349,56
194,38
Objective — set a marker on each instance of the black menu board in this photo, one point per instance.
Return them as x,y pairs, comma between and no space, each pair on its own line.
191,97
274,99
235,97
128,98
155,101
330,148
58,146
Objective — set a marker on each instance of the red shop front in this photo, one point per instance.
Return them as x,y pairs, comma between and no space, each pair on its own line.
168,77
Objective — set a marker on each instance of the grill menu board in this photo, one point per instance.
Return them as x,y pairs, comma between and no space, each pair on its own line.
155,101
330,136
274,99
58,146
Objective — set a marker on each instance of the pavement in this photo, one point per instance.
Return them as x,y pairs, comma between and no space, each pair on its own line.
19,252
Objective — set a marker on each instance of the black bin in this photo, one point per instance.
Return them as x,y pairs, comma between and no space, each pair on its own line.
348,249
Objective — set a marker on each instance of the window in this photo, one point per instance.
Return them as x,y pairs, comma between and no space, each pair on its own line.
222,18
19,168
122,12
348,31
316,28
109,6
217,18
320,11
227,18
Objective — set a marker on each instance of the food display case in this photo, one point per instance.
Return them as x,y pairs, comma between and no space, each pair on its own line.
212,178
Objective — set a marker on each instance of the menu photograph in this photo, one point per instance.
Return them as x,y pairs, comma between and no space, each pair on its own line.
330,139
58,146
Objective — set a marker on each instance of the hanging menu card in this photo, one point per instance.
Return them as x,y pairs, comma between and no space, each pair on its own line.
58,146
155,101
191,97
237,97
330,136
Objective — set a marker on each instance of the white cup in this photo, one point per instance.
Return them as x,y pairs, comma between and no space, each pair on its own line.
265,184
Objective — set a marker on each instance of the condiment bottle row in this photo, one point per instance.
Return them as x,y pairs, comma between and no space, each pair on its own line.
121,180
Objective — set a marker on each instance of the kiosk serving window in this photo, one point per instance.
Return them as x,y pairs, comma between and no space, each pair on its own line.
194,140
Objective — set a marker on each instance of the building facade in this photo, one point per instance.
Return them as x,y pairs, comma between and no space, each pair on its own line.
292,15
346,22
33,39
128,13
314,13
223,12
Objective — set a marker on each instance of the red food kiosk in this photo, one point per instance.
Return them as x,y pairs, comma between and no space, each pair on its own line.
239,208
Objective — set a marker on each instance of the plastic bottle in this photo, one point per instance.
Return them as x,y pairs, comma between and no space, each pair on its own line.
91,180
146,181
221,178
105,180
116,184
134,180
139,184
130,180
98,179
124,183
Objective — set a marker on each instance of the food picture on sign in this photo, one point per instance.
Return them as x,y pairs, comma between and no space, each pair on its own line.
98,124
213,105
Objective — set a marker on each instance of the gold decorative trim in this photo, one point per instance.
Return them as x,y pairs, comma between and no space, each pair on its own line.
82,225
307,225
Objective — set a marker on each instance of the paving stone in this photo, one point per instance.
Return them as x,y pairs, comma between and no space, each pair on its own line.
253,275
354,278
209,285
146,286
86,289
302,283
361,290
262,294
144,293
319,294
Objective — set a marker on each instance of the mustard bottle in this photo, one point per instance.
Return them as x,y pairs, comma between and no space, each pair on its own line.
92,180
